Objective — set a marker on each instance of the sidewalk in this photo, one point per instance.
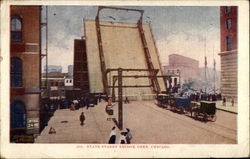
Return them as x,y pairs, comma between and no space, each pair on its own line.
68,129
228,107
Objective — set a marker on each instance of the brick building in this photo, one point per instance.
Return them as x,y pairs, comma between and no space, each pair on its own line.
25,69
56,85
185,67
228,26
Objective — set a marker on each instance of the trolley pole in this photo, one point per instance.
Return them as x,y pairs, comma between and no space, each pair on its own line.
120,111
46,45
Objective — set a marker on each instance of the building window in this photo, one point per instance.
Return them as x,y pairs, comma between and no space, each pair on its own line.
16,29
229,23
16,72
229,43
18,115
228,9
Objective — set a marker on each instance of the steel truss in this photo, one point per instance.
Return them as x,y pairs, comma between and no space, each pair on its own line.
119,77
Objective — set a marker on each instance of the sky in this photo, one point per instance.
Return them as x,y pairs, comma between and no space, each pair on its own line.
189,31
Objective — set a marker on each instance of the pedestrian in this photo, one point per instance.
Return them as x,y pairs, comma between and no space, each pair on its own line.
76,103
46,107
112,136
109,101
72,107
123,138
126,100
82,118
232,101
87,102
224,101
82,102
99,98
128,136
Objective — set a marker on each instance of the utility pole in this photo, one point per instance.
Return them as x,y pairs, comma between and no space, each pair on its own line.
45,24
205,47
120,109
205,67
47,86
214,70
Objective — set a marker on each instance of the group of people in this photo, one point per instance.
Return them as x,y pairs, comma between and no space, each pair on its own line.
125,137
79,103
72,104
203,96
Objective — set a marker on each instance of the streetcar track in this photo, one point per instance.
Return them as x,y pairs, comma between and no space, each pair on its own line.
214,124
221,126
196,125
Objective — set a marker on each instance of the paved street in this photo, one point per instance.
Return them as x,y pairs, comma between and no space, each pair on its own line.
148,124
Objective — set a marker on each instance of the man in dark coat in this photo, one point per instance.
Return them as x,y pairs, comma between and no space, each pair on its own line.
82,118
112,136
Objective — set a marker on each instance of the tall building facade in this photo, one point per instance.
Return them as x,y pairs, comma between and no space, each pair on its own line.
228,54
25,70
185,67
55,82
80,69
70,70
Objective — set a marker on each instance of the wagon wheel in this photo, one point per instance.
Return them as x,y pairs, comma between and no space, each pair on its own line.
205,116
172,102
165,106
172,105
213,118
174,108
182,110
168,107
195,115
191,112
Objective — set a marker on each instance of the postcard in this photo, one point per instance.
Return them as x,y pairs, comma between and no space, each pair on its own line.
124,79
